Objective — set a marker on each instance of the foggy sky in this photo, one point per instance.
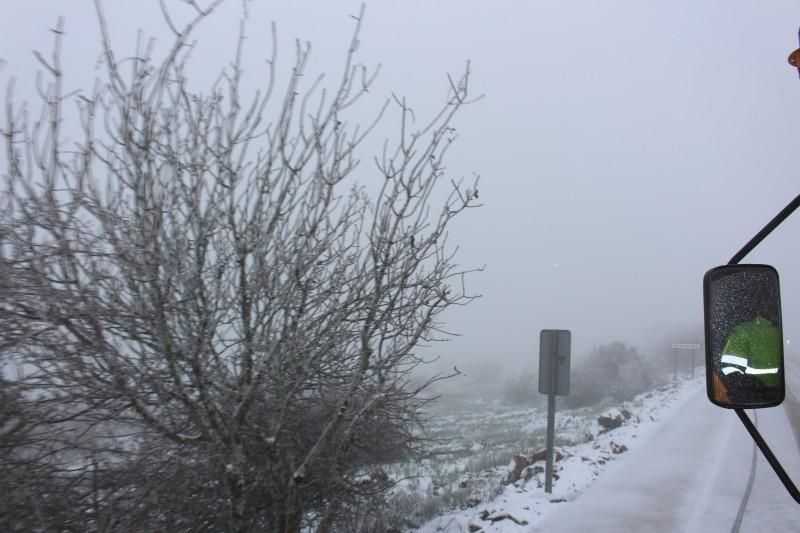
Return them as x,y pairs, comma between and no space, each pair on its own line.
624,147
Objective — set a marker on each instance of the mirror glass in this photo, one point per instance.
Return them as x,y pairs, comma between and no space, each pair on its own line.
744,339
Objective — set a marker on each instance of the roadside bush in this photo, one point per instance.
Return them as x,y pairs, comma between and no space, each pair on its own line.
612,373
522,390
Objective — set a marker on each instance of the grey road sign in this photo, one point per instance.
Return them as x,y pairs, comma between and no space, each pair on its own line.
554,350
554,347
682,346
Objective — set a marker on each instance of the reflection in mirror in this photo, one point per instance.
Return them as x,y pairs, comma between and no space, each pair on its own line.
744,340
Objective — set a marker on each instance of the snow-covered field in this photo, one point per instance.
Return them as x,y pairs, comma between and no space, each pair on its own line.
488,477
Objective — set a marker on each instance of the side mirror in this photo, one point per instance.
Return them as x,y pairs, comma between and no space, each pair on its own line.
744,337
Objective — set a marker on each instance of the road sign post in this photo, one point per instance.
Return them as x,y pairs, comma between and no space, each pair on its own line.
674,364
682,346
554,351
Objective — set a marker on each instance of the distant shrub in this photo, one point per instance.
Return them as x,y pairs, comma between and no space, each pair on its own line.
522,390
613,372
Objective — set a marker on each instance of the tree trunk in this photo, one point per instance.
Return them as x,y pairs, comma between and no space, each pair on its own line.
326,524
236,493
291,513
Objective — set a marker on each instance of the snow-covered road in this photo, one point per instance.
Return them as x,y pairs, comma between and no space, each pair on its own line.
686,469
691,477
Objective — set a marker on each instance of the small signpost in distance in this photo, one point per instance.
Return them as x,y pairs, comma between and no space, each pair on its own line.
682,346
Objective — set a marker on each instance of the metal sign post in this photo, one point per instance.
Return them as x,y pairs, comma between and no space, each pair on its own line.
682,346
674,363
554,350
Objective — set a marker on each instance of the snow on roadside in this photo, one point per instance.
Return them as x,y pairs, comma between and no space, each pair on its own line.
523,504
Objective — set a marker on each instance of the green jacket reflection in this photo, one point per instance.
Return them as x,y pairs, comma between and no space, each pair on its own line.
754,348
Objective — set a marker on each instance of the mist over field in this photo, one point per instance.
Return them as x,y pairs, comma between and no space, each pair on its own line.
623,149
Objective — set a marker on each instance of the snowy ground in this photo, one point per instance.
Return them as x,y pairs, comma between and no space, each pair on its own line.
677,464
522,505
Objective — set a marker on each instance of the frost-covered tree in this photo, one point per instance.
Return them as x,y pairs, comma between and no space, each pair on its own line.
216,326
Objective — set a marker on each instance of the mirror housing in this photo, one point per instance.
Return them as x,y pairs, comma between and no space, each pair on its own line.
744,336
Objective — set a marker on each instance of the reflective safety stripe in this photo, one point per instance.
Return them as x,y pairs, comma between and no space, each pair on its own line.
739,364
734,360
762,370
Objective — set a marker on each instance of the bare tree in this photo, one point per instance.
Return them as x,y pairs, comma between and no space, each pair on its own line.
197,281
